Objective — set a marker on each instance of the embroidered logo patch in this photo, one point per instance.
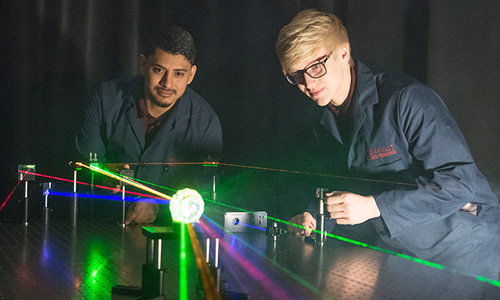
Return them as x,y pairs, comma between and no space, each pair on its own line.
382,152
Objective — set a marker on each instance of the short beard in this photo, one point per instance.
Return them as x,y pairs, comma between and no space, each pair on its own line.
162,104
159,104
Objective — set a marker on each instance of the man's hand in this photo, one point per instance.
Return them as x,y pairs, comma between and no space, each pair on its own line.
113,183
351,209
306,220
471,208
142,212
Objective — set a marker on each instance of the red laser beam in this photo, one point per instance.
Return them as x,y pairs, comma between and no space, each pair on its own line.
13,190
80,182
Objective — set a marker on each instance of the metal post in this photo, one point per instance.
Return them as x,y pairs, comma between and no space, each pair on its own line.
322,220
207,250
213,189
216,252
48,188
216,264
150,251
125,174
92,185
158,269
74,212
158,254
26,203
320,194
123,205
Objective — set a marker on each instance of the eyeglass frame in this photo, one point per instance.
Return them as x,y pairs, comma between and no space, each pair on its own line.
290,77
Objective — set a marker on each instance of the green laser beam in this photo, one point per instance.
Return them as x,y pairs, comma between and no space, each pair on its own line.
407,257
351,241
274,263
183,281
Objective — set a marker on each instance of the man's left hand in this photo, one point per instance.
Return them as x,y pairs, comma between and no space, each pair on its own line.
142,212
351,209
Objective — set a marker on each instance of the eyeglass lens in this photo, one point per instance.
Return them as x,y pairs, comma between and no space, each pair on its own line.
295,78
315,71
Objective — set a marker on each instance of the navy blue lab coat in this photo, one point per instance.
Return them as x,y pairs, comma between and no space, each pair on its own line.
406,150
112,129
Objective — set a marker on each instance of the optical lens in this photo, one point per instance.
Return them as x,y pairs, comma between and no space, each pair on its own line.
295,78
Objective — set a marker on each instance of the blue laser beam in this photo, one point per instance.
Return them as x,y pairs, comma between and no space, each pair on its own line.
252,226
110,197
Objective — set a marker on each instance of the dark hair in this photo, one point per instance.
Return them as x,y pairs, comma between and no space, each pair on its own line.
171,39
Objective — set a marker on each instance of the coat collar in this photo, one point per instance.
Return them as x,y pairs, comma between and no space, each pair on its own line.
130,100
365,94
366,87
130,97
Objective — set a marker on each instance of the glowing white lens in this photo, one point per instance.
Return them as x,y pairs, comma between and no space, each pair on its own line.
186,206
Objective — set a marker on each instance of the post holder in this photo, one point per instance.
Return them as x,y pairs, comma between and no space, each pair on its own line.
127,174
152,271
320,194
24,174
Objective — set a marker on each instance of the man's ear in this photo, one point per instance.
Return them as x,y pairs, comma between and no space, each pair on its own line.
193,72
345,52
142,64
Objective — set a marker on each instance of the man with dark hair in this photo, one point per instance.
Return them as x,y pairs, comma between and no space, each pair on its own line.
174,39
143,121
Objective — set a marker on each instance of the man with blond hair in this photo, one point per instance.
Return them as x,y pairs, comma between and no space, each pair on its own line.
417,188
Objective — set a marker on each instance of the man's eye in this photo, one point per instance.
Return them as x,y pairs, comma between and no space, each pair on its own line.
315,67
157,70
179,74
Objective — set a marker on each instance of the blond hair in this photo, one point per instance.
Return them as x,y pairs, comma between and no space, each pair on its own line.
309,31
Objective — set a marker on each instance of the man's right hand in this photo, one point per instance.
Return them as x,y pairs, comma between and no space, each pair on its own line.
113,183
305,220
142,213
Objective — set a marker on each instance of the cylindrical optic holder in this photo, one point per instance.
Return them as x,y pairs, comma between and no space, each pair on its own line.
320,194
74,211
47,188
24,175
211,167
126,173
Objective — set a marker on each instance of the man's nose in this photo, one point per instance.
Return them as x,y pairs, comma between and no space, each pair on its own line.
308,82
166,80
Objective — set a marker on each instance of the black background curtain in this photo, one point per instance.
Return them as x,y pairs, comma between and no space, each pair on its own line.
54,53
